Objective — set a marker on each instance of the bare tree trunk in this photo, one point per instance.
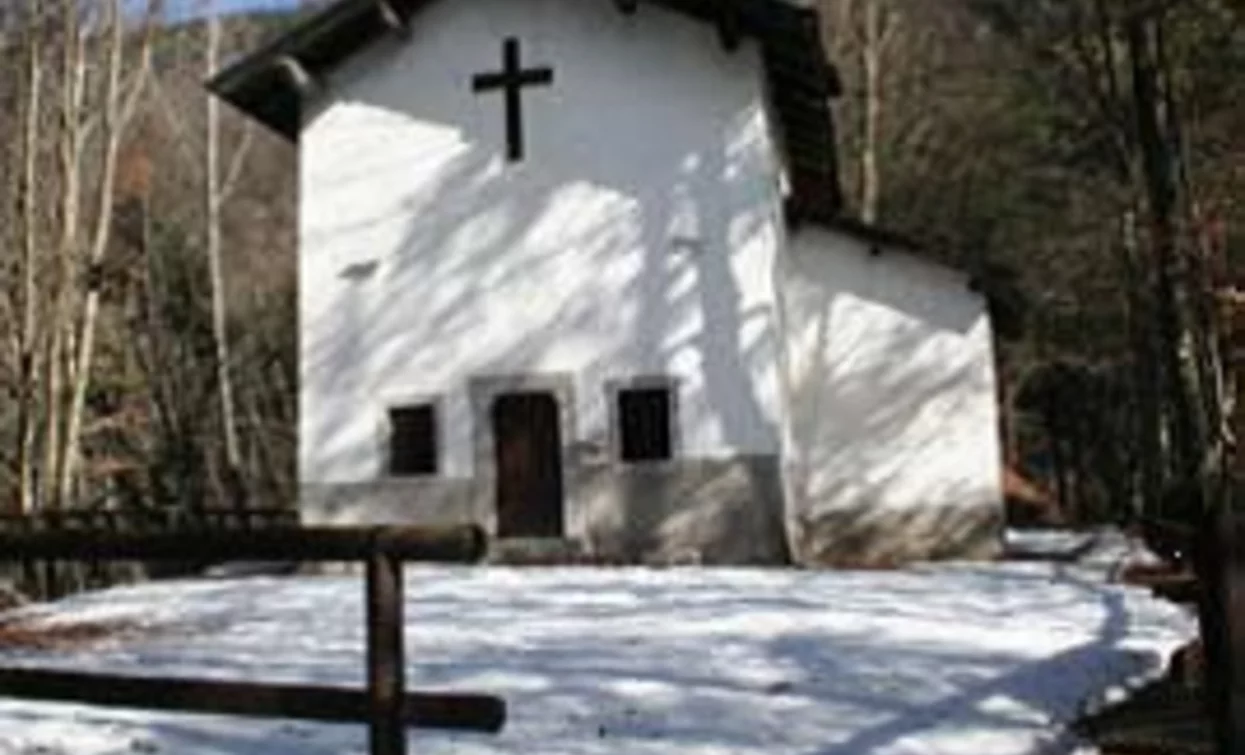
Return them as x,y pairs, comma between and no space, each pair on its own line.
117,108
214,198
1078,461
1145,376
1007,422
1159,179
1207,368
1059,467
73,86
27,335
1154,131
843,26
871,60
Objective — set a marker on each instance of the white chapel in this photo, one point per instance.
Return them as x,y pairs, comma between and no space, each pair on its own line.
579,271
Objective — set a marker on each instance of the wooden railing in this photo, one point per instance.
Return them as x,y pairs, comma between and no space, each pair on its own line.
47,580
385,705
129,520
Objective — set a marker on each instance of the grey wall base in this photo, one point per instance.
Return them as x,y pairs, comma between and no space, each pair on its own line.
866,537
438,501
706,511
725,511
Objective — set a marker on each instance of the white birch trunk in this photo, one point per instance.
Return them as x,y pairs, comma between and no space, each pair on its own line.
871,60
214,196
27,336
118,106
69,150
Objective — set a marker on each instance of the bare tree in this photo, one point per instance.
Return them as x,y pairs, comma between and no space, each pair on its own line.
27,199
119,101
70,136
116,381
871,52
216,194
905,116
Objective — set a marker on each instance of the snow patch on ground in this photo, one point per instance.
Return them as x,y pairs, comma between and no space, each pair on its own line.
934,660
1096,554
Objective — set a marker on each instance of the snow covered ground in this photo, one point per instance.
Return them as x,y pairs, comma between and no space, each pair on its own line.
933,660
1099,553
1052,542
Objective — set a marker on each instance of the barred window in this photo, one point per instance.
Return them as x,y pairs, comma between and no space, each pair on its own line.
413,440
644,419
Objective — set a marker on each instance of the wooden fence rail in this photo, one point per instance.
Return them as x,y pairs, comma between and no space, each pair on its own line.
46,580
315,703
461,544
121,520
385,705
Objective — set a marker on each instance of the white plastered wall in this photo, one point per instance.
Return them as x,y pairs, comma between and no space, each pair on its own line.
891,374
637,238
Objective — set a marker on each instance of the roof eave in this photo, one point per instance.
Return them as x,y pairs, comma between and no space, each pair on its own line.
270,83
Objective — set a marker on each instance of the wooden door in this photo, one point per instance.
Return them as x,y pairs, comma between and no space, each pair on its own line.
528,447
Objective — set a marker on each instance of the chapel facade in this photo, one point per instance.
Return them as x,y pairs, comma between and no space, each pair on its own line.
579,271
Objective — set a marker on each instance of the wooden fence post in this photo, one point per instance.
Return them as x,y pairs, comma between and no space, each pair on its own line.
1232,593
384,705
386,683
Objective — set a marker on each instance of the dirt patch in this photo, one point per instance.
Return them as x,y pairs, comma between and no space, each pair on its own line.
10,598
1166,717
1173,582
34,634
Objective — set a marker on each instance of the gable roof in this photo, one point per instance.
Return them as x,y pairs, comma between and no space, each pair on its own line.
271,83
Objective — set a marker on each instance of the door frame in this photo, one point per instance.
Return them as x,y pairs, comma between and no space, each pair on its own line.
482,392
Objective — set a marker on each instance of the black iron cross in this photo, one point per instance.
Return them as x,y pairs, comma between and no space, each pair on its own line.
511,79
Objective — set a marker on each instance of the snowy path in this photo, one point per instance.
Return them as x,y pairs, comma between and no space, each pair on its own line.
932,661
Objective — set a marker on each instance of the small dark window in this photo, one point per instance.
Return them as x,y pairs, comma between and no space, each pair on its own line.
413,440
644,424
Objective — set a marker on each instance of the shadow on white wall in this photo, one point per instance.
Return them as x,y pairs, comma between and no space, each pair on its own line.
574,260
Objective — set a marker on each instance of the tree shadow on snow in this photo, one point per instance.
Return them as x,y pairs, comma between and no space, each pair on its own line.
1027,687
